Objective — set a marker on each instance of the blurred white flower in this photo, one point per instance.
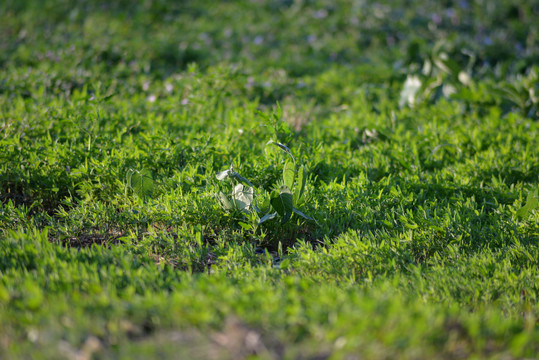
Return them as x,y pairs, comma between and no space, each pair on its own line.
409,90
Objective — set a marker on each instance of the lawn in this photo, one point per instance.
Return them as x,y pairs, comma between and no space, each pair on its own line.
270,179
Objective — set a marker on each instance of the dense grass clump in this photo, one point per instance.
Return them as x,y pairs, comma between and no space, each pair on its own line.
275,179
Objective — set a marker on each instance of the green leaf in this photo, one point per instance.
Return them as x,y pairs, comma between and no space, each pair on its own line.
223,175
275,202
532,203
141,182
243,197
267,217
246,226
226,204
296,211
289,173
283,203
302,180
262,204
284,264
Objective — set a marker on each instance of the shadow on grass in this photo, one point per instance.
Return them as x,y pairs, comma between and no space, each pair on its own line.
510,175
435,216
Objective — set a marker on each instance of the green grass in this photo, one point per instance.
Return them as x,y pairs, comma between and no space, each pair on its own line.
417,126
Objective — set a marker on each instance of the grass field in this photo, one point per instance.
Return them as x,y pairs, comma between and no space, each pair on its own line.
269,179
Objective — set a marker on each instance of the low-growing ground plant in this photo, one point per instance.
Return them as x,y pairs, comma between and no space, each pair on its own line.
256,206
141,182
